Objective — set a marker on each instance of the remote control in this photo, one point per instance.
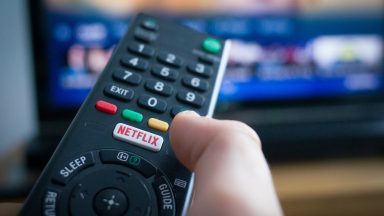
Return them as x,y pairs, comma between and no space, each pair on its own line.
115,158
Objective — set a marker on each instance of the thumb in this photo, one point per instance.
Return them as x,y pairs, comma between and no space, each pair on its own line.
231,174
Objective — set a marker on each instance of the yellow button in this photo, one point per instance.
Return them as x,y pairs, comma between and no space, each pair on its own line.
158,124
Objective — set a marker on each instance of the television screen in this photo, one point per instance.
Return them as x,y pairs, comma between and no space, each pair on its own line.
281,49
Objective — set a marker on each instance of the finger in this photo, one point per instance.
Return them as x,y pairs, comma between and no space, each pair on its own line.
229,166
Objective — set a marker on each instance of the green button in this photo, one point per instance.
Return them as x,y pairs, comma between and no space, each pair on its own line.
134,160
132,116
212,45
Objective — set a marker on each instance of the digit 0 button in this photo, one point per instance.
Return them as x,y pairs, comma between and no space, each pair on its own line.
152,103
158,124
132,116
106,107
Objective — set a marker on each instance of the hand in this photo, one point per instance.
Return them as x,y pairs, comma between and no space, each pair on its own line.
231,174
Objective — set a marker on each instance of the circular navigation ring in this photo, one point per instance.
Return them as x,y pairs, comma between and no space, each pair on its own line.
111,190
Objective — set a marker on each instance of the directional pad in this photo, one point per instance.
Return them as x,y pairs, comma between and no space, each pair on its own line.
120,191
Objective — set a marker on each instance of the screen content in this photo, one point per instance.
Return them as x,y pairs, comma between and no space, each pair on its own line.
281,49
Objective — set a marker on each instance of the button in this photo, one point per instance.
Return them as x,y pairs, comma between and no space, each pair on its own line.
211,45
152,103
195,83
200,69
150,24
106,107
177,109
141,49
134,62
159,87
144,35
126,76
132,116
164,72
190,98
80,197
158,124
170,59
71,168
119,92
128,159
50,202
207,59
110,202
164,196
138,137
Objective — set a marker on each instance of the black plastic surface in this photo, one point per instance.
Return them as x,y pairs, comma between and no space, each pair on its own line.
91,132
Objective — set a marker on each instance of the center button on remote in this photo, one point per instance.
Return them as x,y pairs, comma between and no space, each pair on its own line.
110,202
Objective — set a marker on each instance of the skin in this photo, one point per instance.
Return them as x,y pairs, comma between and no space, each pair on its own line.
232,176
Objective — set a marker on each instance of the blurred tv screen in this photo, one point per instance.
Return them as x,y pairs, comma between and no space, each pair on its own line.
281,49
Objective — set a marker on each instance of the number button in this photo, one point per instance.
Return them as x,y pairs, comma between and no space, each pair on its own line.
195,83
190,98
200,69
144,35
127,76
141,49
134,62
152,103
159,87
164,72
170,59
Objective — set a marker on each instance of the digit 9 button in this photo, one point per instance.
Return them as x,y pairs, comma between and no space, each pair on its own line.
190,98
152,103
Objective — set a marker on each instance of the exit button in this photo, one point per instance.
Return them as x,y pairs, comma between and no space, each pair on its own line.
211,45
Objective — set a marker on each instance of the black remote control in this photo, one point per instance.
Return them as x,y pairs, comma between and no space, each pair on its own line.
115,158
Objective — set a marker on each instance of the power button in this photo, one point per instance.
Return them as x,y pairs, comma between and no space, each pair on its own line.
211,45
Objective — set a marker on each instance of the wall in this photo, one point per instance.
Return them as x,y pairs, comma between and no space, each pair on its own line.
17,107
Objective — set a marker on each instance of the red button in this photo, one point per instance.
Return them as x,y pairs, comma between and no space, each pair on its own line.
106,107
